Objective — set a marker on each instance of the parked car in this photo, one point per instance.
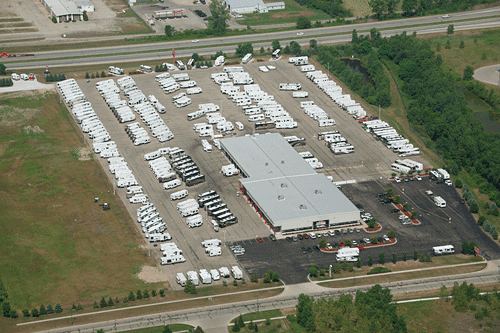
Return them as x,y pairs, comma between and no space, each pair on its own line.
448,182
397,180
272,237
304,250
395,210
329,246
300,237
260,240
316,248
366,240
288,239
306,236
295,239
418,178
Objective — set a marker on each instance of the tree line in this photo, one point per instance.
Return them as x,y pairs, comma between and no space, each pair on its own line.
371,311
332,8
387,8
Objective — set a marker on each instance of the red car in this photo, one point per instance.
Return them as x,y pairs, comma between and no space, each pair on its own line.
306,236
259,239
341,244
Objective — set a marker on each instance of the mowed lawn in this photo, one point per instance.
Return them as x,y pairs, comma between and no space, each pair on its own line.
359,8
57,245
290,14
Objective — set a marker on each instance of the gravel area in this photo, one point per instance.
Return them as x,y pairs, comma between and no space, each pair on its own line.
151,274
27,85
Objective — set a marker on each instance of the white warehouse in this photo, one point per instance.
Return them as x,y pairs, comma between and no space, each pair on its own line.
250,6
282,187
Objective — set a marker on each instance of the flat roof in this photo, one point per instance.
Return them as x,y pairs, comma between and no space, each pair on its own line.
62,7
282,183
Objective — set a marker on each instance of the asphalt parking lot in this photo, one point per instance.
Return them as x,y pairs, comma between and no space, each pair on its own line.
436,229
370,161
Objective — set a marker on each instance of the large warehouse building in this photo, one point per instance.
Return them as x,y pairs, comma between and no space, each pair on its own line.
284,189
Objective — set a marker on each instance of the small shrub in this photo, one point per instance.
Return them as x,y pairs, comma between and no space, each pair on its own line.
224,283
153,292
321,272
268,321
254,278
26,313
162,292
378,270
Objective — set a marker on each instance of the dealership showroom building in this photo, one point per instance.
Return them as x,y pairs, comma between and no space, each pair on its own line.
287,193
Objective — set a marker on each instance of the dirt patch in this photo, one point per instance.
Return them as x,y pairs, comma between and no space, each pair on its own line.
287,311
151,274
84,154
463,323
293,14
33,129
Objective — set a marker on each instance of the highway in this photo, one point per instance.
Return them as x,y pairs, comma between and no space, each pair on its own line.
161,51
215,318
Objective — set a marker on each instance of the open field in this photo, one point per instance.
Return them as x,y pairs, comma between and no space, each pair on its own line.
359,8
290,14
52,232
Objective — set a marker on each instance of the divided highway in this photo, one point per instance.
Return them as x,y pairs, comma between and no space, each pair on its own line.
161,51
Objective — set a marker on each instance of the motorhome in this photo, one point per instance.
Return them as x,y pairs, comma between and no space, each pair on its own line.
444,249
181,279
276,53
116,70
236,273
180,65
439,201
145,69
347,254
300,94
179,195
246,59
172,184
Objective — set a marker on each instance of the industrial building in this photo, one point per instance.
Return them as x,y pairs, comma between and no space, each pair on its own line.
250,6
284,189
67,10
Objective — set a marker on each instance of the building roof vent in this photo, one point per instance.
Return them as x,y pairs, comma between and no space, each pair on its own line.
282,162
267,164
281,197
318,192
302,207
283,185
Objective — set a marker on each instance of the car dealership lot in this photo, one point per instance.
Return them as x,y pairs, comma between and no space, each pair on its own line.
436,229
370,161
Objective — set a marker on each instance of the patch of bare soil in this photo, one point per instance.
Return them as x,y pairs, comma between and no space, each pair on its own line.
287,311
33,129
463,323
295,14
84,154
151,274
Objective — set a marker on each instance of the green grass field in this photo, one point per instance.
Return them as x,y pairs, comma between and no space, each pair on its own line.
290,14
359,8
57,244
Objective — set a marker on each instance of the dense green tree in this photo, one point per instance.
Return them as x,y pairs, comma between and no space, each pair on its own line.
217,22
295,48
276,45
381,258
198,330
243,49
409,7
26,313
303,23
103,303
49,309
451,29
34,313
167,329
391,5
378,7
313,43
468,73
169,30
6,309
42,310
85,16
110,302
131,296
305,316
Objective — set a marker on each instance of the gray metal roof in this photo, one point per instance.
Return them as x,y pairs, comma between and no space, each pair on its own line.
233,4
284,191
62,7
266,156
274,4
